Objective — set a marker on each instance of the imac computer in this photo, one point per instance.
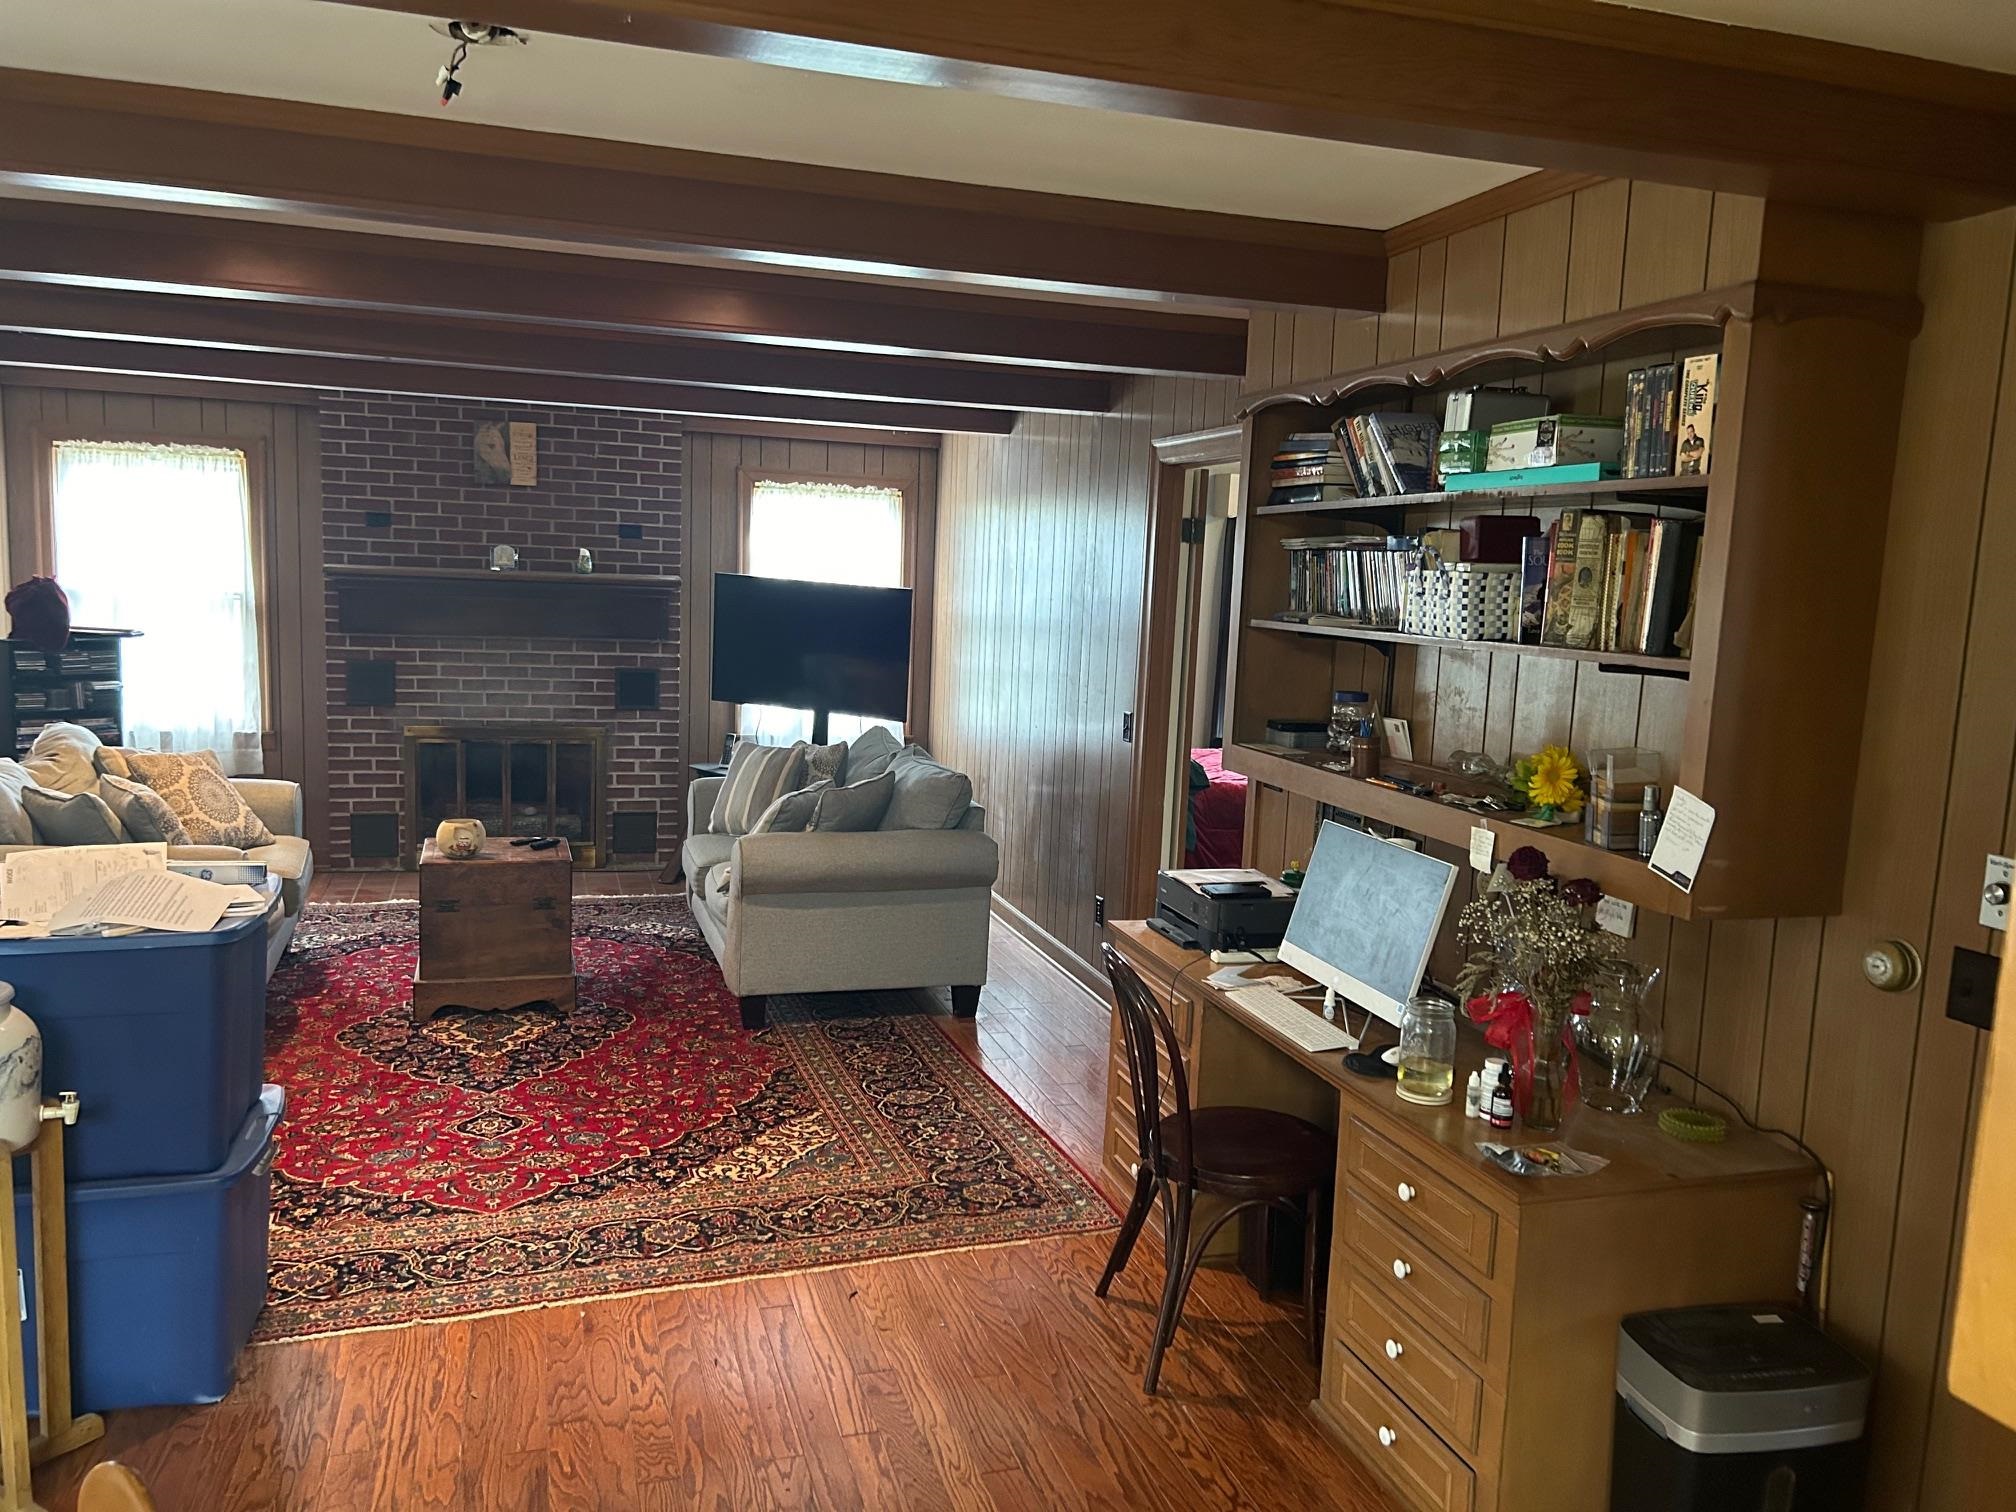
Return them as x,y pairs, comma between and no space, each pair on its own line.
1366,919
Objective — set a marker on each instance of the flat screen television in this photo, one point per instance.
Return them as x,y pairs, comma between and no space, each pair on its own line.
828,647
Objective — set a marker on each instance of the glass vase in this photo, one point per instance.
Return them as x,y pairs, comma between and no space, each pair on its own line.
1551,1054
1621,1038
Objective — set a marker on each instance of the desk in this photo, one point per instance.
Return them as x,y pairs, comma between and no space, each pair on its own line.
1469,1352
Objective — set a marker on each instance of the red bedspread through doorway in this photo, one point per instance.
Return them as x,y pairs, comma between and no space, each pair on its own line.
1218,812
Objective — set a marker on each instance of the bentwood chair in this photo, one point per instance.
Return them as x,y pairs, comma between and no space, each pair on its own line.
1250,1157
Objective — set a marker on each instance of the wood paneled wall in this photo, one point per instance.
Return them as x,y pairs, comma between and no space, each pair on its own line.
715,462
1042,547
288,440
1776,1013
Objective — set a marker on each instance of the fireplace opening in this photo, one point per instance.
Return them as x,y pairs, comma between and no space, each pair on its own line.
518,779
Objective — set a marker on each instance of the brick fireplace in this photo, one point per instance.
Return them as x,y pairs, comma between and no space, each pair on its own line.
399,492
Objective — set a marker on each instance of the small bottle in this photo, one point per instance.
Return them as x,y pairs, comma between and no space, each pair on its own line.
1500,1111
1649,820
1473,1096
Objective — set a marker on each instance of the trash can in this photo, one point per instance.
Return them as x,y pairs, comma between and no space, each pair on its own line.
1735,1409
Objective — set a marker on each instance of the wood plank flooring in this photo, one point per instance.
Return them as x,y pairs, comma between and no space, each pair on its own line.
991,1379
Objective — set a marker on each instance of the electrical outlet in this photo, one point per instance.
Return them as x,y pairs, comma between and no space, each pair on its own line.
1127,727
1098,908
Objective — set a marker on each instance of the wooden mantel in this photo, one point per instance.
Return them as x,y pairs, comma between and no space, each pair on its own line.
460,601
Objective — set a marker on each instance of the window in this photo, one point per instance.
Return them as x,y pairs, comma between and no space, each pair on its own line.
158,538
821,532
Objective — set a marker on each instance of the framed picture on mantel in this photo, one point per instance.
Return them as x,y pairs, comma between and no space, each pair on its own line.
507,452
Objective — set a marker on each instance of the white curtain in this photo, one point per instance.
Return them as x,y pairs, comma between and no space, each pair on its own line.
822,533
159,539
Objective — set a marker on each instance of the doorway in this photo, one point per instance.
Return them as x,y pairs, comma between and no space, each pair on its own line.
1185,810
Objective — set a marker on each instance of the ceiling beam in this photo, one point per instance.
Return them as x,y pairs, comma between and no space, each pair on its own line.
53,310
196,147
83,354
1566,84
254,261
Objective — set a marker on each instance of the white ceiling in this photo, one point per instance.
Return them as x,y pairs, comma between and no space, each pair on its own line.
1977,33
341,55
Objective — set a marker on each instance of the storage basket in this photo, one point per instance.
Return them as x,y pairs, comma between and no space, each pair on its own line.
1462,600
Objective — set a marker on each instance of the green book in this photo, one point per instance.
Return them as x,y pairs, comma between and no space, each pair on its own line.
1530,477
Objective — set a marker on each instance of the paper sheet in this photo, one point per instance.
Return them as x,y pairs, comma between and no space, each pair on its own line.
1683,839
148,900
36,885
1197,876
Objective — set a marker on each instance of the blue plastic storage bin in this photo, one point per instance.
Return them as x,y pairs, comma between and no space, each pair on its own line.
162,1037
167,1276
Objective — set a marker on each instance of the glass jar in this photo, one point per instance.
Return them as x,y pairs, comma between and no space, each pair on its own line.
1427,1051
1621,1038
1349,708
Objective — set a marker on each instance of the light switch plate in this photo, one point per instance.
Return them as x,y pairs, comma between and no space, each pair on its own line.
1995,889
1617,916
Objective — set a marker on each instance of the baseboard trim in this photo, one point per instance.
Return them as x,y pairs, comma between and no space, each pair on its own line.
1052,949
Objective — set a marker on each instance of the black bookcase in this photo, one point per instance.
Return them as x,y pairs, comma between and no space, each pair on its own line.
82,684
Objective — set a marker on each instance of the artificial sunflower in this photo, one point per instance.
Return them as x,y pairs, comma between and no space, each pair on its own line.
1553,781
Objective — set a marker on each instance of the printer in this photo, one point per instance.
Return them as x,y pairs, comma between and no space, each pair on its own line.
1221,909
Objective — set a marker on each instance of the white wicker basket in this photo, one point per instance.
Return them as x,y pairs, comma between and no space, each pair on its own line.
1463,600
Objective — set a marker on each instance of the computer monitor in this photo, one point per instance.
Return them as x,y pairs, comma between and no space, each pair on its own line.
1366,918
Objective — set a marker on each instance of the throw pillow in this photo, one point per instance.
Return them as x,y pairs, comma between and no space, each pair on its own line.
143,813
211,809
62,759
790,814
825,763
112,761
70,818
14,826
859,806
758,775
871,753
928,795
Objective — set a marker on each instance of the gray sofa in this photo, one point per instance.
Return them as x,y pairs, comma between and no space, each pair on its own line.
824,912
276,802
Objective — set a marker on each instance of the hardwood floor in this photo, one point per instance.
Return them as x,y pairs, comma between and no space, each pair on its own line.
990,1379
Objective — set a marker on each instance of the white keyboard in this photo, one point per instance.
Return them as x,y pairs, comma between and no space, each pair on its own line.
1288,1018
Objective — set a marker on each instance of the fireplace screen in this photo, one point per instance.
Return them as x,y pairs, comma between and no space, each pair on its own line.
517,779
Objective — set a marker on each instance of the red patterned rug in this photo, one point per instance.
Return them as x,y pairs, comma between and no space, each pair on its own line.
487,1161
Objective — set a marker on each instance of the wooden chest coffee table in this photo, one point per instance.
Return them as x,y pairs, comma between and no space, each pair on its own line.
496,931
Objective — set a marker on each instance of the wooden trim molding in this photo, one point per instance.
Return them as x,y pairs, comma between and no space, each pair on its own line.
1052,949
776,430
1492,204
1222,443
1709,311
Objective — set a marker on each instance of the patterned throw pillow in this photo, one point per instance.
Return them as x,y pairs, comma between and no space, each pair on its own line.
792,813
758,775
211,810
143,813
825,763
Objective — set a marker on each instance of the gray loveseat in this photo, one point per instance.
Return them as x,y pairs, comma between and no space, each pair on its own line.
69,759
842,912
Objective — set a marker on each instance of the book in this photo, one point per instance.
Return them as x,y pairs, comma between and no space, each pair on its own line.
1696,419
1561,537
1533,587
1555,439
1669,585
1529,477
1314,493
1652,455
1585,601
1634,422
1406,446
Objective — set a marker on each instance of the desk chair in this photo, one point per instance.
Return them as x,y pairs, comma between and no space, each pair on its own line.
1252,1157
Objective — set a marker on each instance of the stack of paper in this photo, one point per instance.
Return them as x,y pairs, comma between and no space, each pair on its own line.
75,889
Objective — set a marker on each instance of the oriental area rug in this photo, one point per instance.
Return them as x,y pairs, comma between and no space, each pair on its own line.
485,1162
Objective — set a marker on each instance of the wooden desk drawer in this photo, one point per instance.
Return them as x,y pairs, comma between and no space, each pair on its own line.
1428,1376
1385,1435
1429,1289
1447,1217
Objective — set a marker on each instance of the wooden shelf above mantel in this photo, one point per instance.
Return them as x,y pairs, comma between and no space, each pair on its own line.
473,601
1619,874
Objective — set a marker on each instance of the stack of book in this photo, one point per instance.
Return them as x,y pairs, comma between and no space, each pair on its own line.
1389,452
1309,470
1669,417
1349,580
1618,582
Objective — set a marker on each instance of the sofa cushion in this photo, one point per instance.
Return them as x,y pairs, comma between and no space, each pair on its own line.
111,761
715,900
289,858
62,759
70,818
703,851
203,798
870,754
791,814
858,806
143,813
758,775
928,796
14,826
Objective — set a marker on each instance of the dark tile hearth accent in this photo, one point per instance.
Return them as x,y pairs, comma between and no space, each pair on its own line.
369,683
637,688
634,832
608,480
374,836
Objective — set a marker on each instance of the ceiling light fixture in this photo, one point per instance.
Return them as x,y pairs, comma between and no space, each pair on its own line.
465,35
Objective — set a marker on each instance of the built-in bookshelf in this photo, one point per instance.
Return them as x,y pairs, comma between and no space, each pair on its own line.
82,684
1762,719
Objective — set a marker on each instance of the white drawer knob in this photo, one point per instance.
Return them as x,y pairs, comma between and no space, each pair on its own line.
1387,1437
1402,1270
1406,1192
1393,1349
